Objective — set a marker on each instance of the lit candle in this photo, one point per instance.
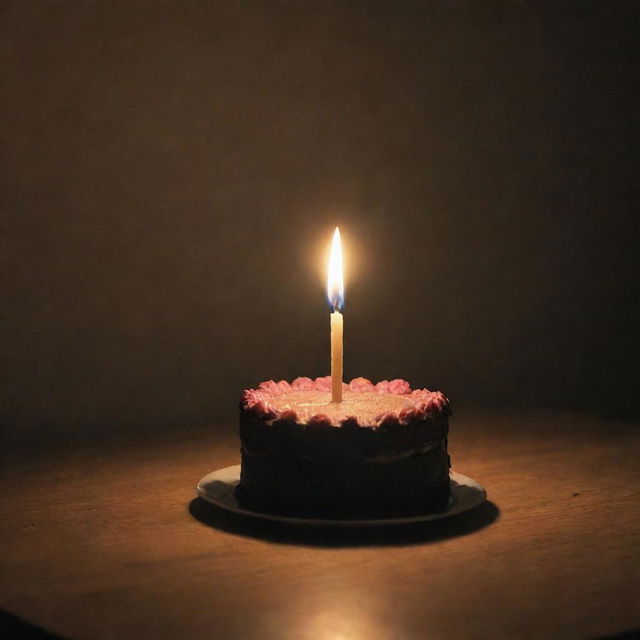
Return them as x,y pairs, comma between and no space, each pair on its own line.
335,291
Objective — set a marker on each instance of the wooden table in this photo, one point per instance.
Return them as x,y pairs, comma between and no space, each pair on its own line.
106,541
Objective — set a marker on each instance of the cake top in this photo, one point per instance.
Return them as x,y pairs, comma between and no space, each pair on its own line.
364,403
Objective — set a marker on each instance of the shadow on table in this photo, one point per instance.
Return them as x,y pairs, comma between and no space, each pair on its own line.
12,627
334,536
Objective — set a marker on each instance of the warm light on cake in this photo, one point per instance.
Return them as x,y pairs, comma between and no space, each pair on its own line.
335,293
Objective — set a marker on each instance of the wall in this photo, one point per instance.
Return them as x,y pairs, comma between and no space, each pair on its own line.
172,173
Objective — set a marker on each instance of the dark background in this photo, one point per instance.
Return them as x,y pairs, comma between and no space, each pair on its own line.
172,173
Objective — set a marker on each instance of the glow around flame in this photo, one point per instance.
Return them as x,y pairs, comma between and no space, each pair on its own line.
335,281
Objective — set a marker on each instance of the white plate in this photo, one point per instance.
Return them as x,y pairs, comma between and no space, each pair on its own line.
217,487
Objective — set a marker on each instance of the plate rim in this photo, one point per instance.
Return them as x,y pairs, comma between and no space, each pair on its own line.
456,507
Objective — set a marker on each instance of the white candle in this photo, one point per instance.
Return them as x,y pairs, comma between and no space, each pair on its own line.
336,357
335,291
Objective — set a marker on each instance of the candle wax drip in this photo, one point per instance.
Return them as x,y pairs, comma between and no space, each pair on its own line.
366,406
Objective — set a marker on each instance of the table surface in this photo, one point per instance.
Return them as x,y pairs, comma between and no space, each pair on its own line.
107,541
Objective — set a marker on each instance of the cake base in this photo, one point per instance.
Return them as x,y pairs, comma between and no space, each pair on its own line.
318,470
379,453
218,488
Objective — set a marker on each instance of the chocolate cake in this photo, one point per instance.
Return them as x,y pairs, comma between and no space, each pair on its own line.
380,453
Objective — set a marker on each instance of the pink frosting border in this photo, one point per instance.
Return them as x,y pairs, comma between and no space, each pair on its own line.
425,402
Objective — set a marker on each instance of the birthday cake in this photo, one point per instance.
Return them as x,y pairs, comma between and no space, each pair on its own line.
379,453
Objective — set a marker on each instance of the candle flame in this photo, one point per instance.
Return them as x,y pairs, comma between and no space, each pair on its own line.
335,281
